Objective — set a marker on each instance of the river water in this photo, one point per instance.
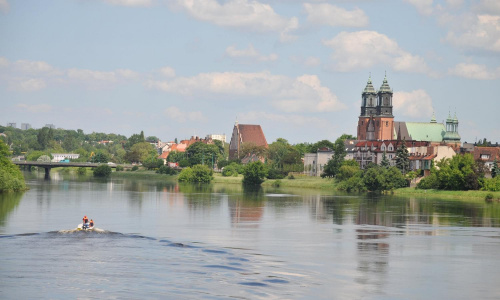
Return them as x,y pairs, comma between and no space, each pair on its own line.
162,240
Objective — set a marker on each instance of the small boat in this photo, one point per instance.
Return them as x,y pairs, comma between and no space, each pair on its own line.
85,226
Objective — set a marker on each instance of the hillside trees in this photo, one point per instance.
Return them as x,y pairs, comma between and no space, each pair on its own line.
11,178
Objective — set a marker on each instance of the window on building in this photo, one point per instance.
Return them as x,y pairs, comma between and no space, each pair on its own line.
387,124
485,156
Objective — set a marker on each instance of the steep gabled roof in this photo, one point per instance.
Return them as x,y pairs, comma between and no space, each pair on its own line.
252,134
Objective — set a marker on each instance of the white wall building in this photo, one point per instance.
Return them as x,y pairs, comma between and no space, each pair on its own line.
57,157
314,163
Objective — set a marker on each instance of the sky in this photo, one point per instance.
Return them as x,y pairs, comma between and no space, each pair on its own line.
179,68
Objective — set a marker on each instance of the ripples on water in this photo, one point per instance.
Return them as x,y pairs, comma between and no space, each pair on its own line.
70,263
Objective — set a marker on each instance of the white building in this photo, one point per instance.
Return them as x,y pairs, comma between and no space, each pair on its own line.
314,163
57,157
220,137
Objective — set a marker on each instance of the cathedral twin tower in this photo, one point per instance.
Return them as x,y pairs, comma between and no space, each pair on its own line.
376,121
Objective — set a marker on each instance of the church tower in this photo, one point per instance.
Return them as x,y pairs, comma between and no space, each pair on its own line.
368,109
376,121
385,120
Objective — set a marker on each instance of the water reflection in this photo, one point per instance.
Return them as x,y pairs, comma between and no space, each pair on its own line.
8,202
247,207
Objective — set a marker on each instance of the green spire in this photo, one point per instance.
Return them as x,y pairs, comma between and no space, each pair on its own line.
433,120
369,89
385,88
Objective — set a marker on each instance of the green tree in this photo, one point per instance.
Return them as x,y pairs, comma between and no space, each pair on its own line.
402,158
100,157
135,139
230,170
249,148
321,144
102,171
152,163
495,171
198,173
176,156
139,152
254,173
11,178
339,152
202,154
385,161
45,135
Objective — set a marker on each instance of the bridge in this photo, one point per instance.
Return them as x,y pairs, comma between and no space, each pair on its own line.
49,165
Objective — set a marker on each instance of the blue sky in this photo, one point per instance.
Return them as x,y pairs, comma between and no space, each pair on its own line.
179,68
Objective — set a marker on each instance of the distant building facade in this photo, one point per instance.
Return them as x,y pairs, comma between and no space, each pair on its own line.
245,133
14,125
219,137
314,163
25,126
56,157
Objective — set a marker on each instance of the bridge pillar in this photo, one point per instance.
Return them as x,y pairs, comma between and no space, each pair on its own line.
47,173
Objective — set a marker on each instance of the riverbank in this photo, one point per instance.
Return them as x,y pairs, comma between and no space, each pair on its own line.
302,181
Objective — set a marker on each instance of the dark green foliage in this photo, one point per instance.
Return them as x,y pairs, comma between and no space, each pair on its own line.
11,178
321,144
81,171
202,154
458,173
495,171
276,183
176,156
231,170
492,184
102,171
119,168
152,163
135,168
198,173
385,161
402,158
166,170
100,157
276,174
254,173
382,179
291,176
332,167
489,197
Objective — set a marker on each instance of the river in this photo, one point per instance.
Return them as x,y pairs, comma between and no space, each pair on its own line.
162,240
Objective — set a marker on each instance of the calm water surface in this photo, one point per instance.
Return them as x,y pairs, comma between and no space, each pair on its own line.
162,240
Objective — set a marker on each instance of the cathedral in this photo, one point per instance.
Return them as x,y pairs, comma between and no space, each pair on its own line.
376,121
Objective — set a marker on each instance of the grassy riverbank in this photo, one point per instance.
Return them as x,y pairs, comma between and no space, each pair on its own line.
479,195
318,183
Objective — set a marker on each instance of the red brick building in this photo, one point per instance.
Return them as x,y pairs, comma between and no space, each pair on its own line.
244,133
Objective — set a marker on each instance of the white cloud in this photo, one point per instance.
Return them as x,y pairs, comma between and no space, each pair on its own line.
327,14
249,53
176,114
89,75
4,62
307,94
364,49
38,108
292,119
304,93
244,14
130,2
474,71
167,72
33,67
27,85
310,61
474,32
416,104
455,4
424,7
4,6
489,6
